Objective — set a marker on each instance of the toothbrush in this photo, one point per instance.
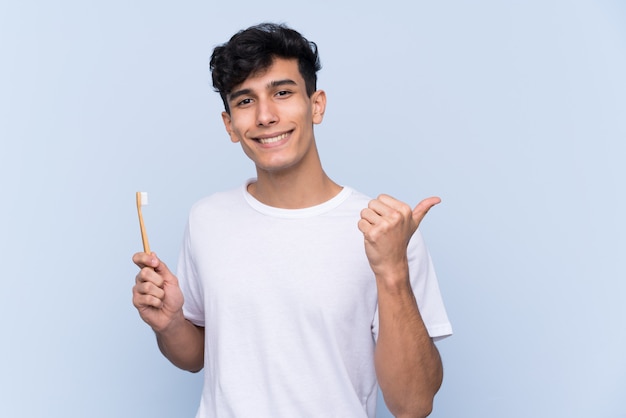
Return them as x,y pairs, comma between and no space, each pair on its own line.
142,200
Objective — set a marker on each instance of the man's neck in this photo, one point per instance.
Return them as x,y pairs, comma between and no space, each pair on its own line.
295,190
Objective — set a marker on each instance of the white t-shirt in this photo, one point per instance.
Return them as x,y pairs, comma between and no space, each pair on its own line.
289,306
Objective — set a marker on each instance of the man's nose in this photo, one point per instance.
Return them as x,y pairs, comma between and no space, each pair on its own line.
266,113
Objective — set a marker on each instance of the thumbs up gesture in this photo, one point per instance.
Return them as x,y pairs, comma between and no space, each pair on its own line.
387,225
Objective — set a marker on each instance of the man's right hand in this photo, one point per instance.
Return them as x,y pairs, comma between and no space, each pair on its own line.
156,294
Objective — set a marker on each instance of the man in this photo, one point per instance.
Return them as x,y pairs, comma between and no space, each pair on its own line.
298,296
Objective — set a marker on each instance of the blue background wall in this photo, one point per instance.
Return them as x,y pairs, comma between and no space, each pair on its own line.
513,112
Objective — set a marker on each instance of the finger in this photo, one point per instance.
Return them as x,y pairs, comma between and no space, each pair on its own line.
151,260
147,294
370,216
394,203
379,206
364,225
146,301
161,268
145,260
423,207
149,289
149,275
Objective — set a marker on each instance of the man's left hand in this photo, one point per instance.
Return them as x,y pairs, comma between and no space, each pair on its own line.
387,225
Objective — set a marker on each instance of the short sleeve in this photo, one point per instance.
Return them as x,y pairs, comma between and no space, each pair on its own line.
190,282
426,290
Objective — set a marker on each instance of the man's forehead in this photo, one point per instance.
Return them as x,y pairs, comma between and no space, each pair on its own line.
280,69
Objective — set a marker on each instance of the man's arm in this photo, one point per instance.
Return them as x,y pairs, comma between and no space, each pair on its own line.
408,365
159,300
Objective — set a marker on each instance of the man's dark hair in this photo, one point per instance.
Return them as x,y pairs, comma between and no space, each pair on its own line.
253,50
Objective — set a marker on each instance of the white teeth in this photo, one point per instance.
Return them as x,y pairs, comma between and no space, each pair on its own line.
272,140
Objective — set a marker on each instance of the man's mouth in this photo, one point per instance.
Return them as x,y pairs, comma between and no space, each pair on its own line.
272,139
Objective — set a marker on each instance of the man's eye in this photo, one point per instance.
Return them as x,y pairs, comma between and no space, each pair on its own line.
244,102
283,93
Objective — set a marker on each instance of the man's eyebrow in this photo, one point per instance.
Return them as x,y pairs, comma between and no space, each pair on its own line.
232,96
285,82
272,84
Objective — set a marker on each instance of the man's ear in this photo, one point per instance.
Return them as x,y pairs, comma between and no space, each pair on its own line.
319,106
228,124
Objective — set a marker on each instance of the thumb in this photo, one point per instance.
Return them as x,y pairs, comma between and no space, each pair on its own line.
162,270
159,265
423,207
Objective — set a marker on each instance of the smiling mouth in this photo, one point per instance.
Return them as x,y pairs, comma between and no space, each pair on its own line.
272,139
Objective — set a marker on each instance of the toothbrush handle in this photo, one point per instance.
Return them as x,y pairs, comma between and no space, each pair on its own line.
144,235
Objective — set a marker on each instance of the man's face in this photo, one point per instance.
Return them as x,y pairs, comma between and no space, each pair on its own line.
272,117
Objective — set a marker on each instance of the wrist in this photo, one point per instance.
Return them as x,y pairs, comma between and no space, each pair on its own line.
171,325
393,280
